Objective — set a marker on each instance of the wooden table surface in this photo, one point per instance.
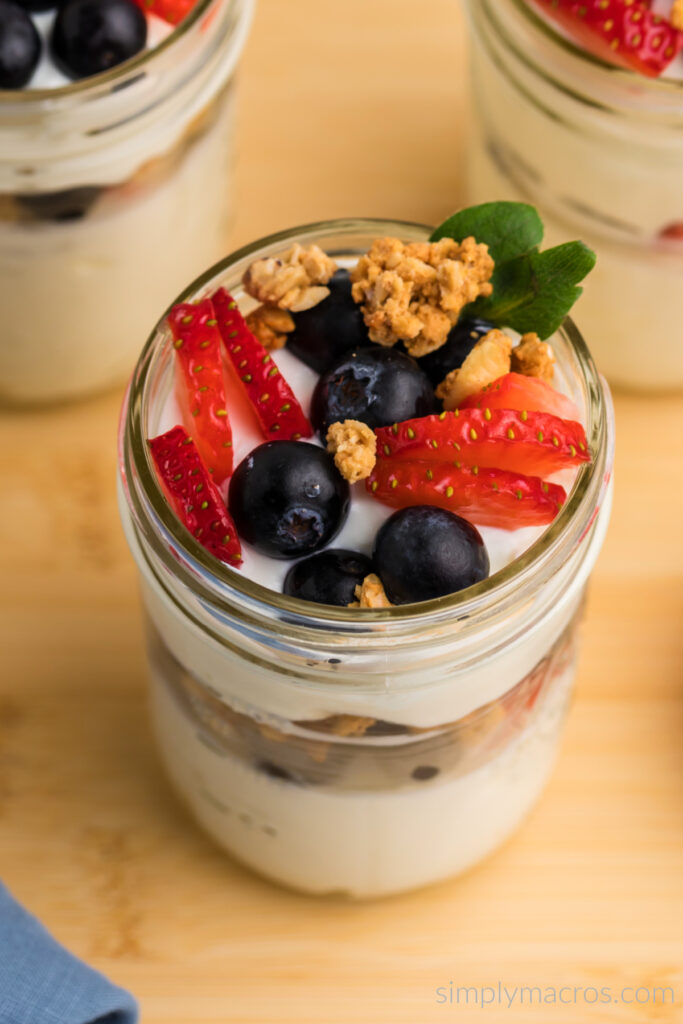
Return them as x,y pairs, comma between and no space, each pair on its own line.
345,108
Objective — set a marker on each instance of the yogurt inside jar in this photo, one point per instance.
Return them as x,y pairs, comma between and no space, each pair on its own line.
364,727
107,139
581,114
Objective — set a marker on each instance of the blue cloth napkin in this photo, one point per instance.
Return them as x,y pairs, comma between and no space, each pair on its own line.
41,983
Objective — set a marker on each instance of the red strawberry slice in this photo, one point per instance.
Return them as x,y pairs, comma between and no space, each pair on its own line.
172,11
489,497
673,232
201,385
526,394
521,442
193,495
624,32
278,411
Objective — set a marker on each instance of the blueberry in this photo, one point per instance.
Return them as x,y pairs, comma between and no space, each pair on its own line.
330,577
19,46
425,552
332,327
68,204
39,5
275,771
287,498
378,386
90,36
458,346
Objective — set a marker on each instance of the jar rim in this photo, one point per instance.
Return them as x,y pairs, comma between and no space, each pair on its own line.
112,78
228,590
613,73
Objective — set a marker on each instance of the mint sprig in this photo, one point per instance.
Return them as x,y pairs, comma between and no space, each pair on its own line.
532,290
509,229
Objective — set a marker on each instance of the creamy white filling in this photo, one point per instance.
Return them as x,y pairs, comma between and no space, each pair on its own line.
48,76
363,844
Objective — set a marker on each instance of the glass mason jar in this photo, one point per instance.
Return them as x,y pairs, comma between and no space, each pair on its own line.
600,151
114,191
344,753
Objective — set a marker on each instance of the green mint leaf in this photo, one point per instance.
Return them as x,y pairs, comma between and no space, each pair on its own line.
509,229
535,291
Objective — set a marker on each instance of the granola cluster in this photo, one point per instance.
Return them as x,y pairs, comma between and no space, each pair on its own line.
533,358
489,359
415,292
354,446
271,325
295,281
342,725
370,594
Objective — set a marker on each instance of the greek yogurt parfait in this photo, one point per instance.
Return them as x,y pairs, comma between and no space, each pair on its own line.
115,127
579,109
365,475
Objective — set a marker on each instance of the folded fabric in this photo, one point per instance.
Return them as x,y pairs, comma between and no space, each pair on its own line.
41,983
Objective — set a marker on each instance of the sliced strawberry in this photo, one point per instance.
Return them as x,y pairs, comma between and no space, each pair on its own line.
193,495
526,394
489,497
673,232
624,32
200,384
521,442
278,411
172,11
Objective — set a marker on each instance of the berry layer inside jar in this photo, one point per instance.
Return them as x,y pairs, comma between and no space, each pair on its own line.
352,753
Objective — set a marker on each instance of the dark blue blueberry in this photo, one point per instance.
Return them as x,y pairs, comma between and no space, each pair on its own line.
275,771
39,5
424,773
19,46
331,328
68,204
330,577
90,36
287,499
458,346
378,386
425,552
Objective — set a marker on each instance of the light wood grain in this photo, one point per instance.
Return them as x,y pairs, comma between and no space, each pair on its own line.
345,108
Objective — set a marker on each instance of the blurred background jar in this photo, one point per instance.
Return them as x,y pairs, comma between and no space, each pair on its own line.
114,191
599,150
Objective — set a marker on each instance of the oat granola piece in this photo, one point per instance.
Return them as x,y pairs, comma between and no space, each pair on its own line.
676,15
354,447
295,281
488,360
341,725
533,358
271,325
370,594
269,732
415,292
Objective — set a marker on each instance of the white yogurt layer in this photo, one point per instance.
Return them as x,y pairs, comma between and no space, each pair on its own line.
48,76
359,844
366,514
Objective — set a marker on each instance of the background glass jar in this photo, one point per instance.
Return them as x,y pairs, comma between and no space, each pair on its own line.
113,192
600,151
335,752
